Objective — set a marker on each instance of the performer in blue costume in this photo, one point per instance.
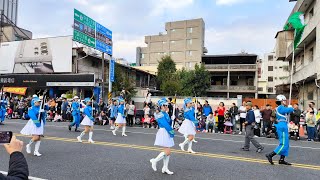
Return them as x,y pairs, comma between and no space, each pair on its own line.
282,113
34,97
87,121
3,110
188,126
121,118
34,127
164,137
75,106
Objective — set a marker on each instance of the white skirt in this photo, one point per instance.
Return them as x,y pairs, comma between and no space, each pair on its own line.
187,128
87,121
120,119
31,129
163,138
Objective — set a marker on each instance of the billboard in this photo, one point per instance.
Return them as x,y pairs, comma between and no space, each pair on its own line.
46,55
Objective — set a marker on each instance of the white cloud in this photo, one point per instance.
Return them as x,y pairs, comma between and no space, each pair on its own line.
232,2
125,46
160,6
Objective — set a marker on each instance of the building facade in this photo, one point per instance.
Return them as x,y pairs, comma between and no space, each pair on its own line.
183,41
306,71
232,75
271,73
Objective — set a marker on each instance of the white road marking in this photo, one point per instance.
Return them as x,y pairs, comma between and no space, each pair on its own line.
211,139
30,177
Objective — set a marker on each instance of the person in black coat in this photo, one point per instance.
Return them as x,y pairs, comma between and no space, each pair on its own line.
18,167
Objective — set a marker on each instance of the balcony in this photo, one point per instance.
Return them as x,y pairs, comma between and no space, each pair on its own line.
242,88
231,67
220,88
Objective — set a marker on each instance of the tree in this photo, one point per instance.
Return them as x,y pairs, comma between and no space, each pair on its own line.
123,81
166,69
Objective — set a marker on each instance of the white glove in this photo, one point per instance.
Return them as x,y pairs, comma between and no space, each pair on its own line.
173,117
41,110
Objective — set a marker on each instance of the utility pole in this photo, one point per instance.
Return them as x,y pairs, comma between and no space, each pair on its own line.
103,78
1,24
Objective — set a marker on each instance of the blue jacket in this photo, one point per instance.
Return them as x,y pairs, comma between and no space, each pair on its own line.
33,113
207,110
121,109
189,114
113,111
282,112
164,122
88,112
2,109
75,106
250,117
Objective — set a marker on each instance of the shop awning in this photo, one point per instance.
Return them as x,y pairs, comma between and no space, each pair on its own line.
15,90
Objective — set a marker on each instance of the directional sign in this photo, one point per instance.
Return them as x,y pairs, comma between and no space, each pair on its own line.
89,32
111,70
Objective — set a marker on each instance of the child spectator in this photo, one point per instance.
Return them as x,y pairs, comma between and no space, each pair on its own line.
311,123
210,123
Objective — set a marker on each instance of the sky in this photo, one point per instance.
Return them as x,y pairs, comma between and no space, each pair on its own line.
232,26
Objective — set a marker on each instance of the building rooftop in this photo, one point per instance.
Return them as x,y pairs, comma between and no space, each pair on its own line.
230,59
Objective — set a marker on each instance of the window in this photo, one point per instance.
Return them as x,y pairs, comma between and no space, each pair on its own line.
270,58
189,53
160,53
189,30
260,88
270,68
189,41
275,78
270,90
173,30
310,95
270,79
311,54
172,42
142,56
302,60
276,67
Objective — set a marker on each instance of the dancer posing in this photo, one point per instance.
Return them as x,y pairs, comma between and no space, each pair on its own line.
121,119
282,113
164,137
188,126
75,106
87,121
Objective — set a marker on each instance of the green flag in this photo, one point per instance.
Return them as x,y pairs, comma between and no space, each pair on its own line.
296,22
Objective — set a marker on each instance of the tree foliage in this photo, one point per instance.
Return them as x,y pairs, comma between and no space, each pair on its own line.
123,81
166,69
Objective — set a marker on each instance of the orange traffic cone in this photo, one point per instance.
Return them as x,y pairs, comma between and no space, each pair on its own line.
301,131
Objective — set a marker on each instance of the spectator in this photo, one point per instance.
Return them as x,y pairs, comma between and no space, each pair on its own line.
211,123
266,119
131,113
234,113
295,116
311,123
52,104
103,117
243,114
101,105
170,107
18,167
57,117
59,104
312,105
146,121
64,108
206,109
257,125
220,111
146,110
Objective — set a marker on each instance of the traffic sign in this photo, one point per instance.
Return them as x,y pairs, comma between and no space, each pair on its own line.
112,70
84,39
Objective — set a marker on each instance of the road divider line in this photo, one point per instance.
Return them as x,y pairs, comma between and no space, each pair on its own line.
200,154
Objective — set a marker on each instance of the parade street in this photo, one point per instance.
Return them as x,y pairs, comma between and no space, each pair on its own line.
116,157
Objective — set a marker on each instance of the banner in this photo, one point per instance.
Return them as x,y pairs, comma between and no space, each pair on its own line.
46,55
15,90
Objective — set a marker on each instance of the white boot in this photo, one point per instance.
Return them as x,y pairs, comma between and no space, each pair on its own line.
190,148
36,149
79,137
124,131
90,137
165,165
115,130
28,148
183,144
155,160
111,127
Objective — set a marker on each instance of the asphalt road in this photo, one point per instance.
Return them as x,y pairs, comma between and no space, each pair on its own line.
116,157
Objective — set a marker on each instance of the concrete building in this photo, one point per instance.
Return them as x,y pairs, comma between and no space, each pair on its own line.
183,41
271,73
306,71
232,75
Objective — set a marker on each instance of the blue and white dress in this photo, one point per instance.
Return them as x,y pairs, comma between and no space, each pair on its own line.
165,134
33,126
121,117
189,124
88,120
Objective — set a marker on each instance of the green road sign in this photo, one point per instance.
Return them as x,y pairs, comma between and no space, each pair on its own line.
84,39
79,16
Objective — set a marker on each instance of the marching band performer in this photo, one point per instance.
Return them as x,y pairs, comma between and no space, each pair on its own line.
87,121
282,129
3,110
34,127
34,97
75,106
188,126
121,119
164,137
